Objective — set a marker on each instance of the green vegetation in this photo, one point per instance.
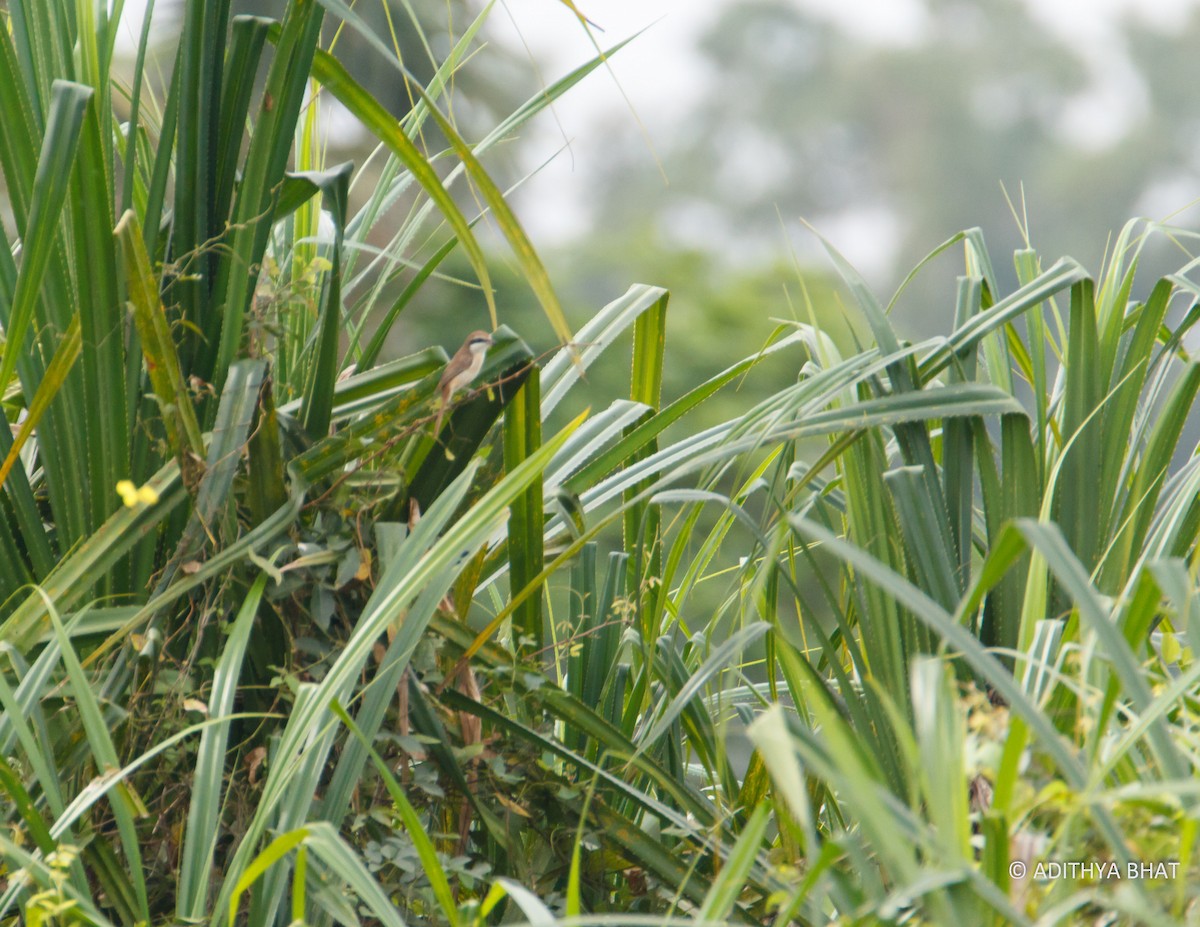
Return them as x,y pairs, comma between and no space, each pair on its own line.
897,623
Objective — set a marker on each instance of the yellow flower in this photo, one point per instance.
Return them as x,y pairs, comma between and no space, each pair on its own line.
132,495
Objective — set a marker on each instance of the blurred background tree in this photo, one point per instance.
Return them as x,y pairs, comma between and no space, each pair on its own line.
889,146
1003,115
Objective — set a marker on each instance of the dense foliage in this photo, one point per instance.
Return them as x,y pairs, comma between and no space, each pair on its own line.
879,647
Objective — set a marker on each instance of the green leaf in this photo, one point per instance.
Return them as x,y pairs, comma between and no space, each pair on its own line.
724,653
204,814
330,73
522,437
162,358
729,885
412,824
88,563
375,118
50,187
316,407
1049,540
103,750
257,194
55,376
770,736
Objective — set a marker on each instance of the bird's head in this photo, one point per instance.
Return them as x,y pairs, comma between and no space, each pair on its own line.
478,342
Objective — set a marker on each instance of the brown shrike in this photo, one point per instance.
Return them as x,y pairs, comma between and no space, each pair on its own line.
463,367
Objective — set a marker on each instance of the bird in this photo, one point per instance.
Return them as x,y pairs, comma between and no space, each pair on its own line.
463,367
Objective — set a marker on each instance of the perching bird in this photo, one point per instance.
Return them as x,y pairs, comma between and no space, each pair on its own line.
463,367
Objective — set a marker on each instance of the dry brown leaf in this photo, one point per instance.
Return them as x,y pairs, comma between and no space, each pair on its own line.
512,805
465,682
254,759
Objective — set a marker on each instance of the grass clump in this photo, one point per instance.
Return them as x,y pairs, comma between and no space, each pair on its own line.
888,646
